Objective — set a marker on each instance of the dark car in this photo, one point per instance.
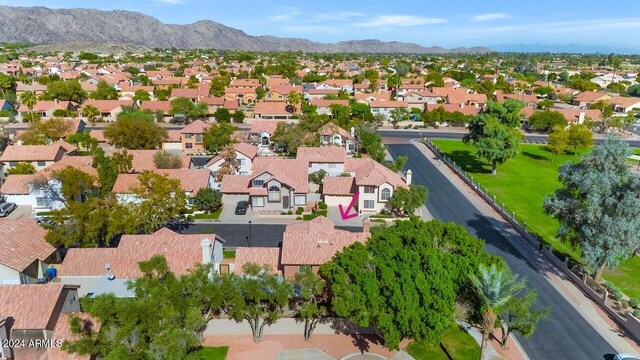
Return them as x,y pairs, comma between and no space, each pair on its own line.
241,208
6,209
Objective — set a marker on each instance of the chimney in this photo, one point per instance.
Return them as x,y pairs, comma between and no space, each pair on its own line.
581,117
409,176
365,225
206,251
462,105
353,132
5,351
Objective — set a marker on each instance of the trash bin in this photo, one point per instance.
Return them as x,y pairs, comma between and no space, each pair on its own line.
52,272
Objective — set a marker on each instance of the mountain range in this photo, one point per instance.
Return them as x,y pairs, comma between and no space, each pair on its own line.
41,25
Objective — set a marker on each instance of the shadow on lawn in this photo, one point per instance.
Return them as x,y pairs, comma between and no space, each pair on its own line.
535,156
468,161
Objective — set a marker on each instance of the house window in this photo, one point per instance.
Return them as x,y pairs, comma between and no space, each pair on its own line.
299,200
13,163
73,299
369,204
265,140
42,163
332,166
302,268
369,189
191,201
187,136
42,201
242,162
189,146
257,183
274,194
257,201
385,194
198,137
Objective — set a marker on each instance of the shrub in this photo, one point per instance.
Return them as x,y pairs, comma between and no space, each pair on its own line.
636,313
617,296
634,302
283,213
624,303
299,211
299,218
322,206
289,212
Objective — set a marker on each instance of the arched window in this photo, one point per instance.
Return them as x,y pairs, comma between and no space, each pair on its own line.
274,193
265,140
385,194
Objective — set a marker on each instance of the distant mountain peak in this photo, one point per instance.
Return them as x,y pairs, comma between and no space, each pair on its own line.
41,25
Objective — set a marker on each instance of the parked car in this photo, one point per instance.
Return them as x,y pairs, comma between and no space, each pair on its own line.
625,357
6,209
241,208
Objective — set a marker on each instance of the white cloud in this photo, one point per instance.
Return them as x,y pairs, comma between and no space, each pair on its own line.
286,14
312,29
400,20
490,16
339,16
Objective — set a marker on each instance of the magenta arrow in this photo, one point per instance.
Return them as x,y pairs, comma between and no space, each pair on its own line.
345,214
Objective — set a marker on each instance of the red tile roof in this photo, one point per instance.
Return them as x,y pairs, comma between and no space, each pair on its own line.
261,256
190,180
338,185
315,242
22,242
182,251
156,106
370,172
50,152
107,105
271,108
268,126
325,154
143,160
196,127
30,306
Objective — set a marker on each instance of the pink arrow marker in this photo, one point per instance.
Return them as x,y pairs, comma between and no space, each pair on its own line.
345,214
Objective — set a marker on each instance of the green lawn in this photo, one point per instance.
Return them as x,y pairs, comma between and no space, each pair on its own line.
457,342
521,184
213,215
212,353
229,254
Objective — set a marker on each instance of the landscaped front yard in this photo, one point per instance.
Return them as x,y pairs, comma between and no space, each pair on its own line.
521,184
457,342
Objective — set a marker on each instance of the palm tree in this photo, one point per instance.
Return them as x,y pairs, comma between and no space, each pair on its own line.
29,99
294,98
495,287
90,112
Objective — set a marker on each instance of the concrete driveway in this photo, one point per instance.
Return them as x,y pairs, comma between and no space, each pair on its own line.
20,211
334,215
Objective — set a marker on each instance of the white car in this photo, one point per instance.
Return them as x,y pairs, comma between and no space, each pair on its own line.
625,357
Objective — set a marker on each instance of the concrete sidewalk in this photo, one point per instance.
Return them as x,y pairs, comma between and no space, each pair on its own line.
591,312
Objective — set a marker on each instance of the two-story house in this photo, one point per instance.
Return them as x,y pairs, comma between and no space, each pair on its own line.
191,181
330,159
40,156
260,135
109,109
332,134
244,155
193,137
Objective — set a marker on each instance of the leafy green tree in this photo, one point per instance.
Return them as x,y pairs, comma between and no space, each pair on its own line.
406,201
163,199
181,106
104,91
317,177
558,141
218,136
75,185
208,200
546,120
397,164
65,91
133,132
29,99
519,315
46,132
109,167
361,111
634,90
7,84
293,136
294,98
222,115
82,141
495,287
259,297
165,160
238,116
399,114
371,141
389,283
90,112
543,91
22,168
141,95
495,142
545,104
579,136
164,319
310,297
598,205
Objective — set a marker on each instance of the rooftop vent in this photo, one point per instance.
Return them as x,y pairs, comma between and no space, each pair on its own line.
110,276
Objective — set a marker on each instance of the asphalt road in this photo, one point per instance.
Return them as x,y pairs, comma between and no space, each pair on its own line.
262,235
432,134
565,334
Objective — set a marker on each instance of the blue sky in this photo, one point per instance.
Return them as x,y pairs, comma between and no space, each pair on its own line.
452,23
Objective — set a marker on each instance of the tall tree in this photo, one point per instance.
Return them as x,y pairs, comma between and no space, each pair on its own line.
141,95
163,199
598,205
135,133
165,160
259,297
495,287
294,98
495,142
520,315
120,162
371,141
579,136
310,296
90,112
46,132
29,99
22,168
389,283
558,141
104,91
230,164
406,201
218,136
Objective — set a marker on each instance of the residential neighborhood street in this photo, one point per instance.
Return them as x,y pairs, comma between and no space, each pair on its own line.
565,334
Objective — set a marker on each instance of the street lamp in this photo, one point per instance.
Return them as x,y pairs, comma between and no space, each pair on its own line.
249,233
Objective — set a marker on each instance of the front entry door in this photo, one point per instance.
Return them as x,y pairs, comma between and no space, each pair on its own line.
285,202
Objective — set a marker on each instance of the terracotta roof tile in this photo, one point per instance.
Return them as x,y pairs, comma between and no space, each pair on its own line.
32,153
325,154
22,242
143,160
156,106
63,332
30,306
261,256
370,172
196,127
107,105
268,126
191,180
338,185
